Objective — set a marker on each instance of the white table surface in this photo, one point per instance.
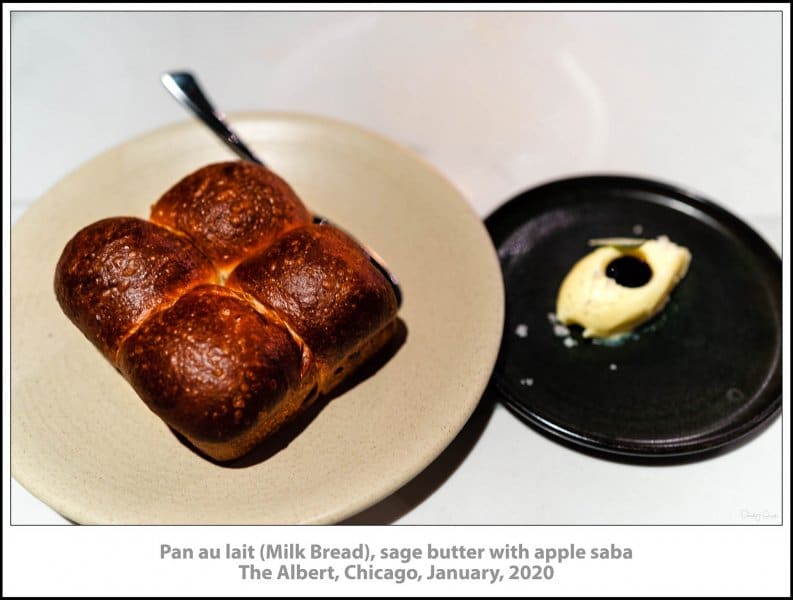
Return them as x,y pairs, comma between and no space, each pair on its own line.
499,103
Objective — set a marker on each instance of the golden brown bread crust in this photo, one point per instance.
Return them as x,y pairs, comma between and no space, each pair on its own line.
230,210
335,373
210,364
295,401
226,366
321,283
115,272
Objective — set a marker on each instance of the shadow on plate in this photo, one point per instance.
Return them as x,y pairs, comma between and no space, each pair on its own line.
430,479
284,436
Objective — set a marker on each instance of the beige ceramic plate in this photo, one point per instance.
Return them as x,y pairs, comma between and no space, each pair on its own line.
84,443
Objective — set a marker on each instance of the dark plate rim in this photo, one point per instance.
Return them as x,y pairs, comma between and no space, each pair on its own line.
706,443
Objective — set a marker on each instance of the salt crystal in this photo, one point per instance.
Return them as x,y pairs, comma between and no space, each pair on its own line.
570,342
521,330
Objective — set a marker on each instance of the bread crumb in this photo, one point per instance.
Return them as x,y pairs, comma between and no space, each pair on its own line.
570,342
637,229
613,367
521,330
527,381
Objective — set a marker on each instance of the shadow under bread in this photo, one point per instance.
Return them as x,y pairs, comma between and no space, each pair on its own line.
431,478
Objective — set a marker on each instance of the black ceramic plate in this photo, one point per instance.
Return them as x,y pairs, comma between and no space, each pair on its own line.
704,373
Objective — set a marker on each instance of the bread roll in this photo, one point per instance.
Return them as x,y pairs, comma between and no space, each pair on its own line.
114,273
231,210
325,289
230,313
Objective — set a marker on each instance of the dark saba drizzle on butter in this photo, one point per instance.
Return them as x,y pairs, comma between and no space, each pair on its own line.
629,271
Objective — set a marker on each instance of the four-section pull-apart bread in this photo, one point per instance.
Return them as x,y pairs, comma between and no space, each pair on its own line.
229,311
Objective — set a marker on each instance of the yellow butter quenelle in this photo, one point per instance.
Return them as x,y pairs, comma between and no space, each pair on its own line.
619,286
